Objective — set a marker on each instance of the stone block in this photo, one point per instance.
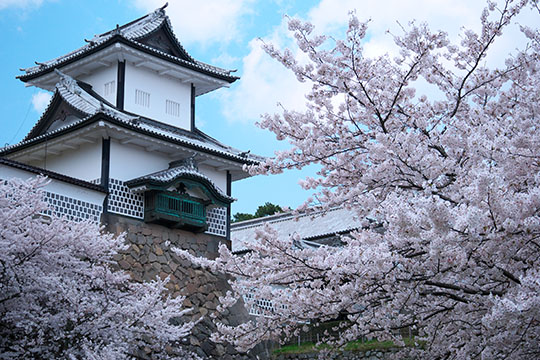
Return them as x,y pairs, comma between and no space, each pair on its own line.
194,341
124,264
210,305
141,240
191,288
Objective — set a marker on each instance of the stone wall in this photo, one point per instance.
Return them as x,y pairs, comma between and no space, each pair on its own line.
149,255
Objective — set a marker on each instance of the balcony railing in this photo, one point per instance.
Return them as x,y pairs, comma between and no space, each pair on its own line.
175,210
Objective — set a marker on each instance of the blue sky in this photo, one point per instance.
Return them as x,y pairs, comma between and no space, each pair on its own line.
226,33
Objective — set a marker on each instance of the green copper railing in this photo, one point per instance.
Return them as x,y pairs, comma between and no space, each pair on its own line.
171,208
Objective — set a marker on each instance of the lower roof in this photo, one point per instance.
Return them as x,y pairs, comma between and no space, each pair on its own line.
311,226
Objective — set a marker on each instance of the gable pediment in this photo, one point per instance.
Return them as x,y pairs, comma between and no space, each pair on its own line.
163,40
58,114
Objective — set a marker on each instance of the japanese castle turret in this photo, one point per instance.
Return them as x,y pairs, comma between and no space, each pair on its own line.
120,144
123,116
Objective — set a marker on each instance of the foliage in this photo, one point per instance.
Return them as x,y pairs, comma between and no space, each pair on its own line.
61,298
263,210
242,217
356,345
453,180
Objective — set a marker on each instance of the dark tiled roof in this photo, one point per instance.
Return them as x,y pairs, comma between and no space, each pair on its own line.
52,175
130,34
95,108
169,176
310,226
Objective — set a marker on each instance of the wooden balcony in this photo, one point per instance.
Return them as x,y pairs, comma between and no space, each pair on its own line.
175,210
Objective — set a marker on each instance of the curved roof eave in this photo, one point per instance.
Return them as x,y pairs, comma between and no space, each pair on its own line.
102,116
182,175
195,66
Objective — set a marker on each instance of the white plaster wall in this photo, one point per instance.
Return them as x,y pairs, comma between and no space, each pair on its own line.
56,186
99,78
160,88
131,161
82,163
218,177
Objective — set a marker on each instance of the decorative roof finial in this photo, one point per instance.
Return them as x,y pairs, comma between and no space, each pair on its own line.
159,12
188,163
68,82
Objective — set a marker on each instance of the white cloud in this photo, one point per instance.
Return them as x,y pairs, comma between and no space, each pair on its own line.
265,82
225,60
203,22
22,4
40,101
447,15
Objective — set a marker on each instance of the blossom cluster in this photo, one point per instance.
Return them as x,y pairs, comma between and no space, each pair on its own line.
447,182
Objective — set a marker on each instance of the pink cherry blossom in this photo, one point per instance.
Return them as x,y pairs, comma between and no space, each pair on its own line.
60,296
448,183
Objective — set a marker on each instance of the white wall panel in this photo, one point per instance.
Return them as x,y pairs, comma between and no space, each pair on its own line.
99,78
131,161
161,88
82,163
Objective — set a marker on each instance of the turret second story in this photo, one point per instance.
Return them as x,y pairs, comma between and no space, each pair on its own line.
140,68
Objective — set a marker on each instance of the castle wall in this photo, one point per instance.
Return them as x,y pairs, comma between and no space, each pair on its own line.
131,161
104,82
149,255
157,97
82,163
218,177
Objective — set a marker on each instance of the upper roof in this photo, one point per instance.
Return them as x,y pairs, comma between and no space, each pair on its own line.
140,34
309,227
90,108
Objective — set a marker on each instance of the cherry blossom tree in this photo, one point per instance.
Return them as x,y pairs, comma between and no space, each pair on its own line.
447,182
60,296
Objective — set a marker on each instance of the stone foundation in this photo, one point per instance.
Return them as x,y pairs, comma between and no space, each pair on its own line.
149,255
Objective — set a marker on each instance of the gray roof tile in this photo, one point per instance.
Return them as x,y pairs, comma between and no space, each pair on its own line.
307,226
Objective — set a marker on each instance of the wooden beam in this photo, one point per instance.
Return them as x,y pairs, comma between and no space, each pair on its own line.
35,157
87,139
70,146
139,64
54,152
127,140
